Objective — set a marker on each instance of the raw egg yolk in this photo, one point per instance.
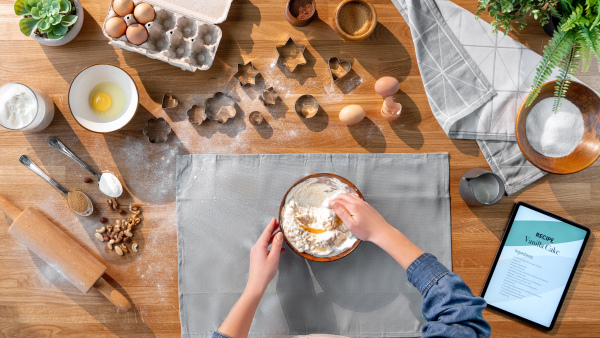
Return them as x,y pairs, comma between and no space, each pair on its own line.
101,101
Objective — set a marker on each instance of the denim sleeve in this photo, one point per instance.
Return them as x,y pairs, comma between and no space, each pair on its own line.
448,304
218,334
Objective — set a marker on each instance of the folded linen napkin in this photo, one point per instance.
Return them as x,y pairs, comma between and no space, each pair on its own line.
475,81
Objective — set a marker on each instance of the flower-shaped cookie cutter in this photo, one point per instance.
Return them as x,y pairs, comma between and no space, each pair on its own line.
246,74
157,130
291,55
269,97
220,107
197,114
338,68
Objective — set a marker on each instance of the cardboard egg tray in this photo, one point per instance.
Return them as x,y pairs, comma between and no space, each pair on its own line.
188,41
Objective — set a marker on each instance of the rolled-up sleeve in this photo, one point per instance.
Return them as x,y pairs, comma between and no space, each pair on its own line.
449,306
218,334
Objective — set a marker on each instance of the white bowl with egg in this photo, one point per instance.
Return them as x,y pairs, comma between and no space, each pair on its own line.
312,229
83,88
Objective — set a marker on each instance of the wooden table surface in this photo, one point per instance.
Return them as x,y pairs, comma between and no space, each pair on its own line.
36,301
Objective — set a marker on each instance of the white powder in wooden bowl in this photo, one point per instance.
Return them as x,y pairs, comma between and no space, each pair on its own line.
554,134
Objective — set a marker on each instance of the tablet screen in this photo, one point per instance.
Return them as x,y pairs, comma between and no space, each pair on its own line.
534,266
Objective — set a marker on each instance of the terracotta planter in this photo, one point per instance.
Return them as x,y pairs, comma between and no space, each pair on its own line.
71,34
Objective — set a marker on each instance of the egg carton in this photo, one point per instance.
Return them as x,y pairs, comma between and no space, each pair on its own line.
189,42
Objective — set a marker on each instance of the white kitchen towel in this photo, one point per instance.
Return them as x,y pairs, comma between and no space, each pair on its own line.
225,201
475,81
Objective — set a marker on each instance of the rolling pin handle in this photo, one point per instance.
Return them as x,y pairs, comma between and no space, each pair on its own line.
112,295
11,210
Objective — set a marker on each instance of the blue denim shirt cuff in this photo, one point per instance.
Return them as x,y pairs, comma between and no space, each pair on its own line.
218,334
425,271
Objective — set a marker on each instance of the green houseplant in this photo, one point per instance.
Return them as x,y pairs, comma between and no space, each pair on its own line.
50,22
573,45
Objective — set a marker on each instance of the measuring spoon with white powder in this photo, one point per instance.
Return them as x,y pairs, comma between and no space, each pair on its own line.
108,182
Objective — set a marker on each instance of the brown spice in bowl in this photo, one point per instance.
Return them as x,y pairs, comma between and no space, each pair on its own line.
77,201
355,18
302,9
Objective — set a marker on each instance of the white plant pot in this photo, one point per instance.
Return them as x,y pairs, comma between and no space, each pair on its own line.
71,34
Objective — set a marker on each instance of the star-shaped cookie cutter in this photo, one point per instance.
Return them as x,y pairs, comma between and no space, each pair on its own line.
292,54
246,74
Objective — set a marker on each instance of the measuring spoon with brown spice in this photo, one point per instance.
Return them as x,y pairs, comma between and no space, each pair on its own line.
77,200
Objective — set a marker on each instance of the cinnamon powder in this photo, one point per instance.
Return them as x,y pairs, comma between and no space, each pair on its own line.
302,9
355,18
77,201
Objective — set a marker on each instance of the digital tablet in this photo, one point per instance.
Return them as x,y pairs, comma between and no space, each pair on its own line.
534,265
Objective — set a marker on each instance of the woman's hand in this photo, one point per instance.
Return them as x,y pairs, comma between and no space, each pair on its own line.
264,262
359,217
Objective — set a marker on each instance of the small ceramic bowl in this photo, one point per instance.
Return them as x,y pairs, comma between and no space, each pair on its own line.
309,256
345,8
588,149
79,93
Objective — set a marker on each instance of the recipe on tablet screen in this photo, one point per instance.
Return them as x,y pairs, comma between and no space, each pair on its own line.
534,266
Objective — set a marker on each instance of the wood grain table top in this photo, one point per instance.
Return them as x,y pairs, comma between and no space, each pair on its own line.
36,301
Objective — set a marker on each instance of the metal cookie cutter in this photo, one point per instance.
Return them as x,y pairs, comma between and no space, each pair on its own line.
246,74
269,97
291,55
306,106
157,130
338,68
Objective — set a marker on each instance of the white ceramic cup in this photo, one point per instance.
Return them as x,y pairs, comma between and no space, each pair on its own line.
44,110
79,94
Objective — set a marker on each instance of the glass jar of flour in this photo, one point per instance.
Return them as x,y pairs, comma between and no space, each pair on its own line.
24,108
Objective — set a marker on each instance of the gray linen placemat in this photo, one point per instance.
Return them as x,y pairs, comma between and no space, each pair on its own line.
475,81
225,201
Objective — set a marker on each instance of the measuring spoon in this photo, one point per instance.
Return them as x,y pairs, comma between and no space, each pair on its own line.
108,176
26,161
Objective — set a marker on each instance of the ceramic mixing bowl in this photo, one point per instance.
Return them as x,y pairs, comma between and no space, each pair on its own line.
79,93
309,256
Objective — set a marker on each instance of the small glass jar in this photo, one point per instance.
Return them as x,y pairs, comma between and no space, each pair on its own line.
44,112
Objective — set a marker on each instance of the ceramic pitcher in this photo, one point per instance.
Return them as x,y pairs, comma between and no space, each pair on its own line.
480,187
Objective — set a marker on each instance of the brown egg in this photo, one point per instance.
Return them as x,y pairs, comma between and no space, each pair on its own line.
387,86
122,7
137,34
352,114
115,27
144,13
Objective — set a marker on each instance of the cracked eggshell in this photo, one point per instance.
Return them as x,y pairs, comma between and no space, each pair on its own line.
352,114
391,110
387,86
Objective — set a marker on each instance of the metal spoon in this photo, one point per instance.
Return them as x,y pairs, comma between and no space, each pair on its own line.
26,161
53,141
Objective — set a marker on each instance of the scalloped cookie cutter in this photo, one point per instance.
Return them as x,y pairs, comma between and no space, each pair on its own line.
220,107
291,55
157,130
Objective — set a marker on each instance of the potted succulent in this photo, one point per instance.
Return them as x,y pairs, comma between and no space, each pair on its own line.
50,22
573,45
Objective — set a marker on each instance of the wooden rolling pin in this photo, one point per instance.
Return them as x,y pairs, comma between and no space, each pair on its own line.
60,251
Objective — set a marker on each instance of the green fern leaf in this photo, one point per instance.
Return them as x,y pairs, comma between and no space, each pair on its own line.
557,49
568,66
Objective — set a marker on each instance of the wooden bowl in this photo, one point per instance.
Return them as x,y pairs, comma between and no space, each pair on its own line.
303,254
292,17
355,37
588,149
